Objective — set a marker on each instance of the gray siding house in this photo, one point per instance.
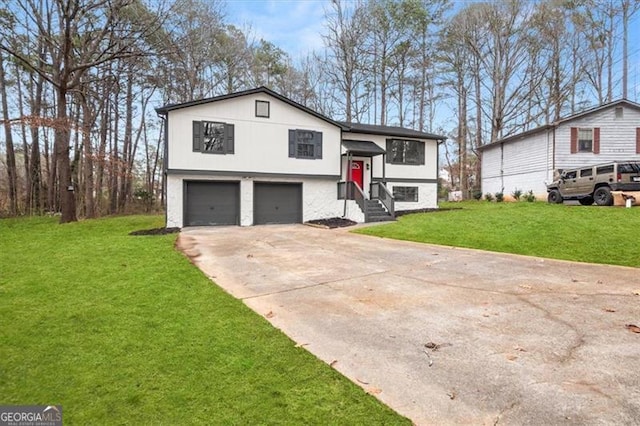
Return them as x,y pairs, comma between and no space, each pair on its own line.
525,161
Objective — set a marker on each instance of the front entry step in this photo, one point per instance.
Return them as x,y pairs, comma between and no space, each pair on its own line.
376,212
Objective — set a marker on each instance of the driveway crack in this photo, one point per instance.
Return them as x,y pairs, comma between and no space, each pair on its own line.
304,287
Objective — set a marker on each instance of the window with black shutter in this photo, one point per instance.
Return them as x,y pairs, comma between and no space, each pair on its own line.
212,137
305,144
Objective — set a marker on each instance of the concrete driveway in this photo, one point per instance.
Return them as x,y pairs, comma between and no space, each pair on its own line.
443,335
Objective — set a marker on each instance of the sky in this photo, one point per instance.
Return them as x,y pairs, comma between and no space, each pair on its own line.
295,26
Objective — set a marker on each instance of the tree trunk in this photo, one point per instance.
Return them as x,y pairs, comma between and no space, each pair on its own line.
87,125
35,171
125,174
66,190
25,145
462,134
114,160
12,171
625,47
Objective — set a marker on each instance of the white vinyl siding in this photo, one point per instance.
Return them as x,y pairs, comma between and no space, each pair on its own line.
260,145
617,139
522,164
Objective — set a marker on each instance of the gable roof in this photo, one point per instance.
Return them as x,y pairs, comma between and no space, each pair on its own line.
263,90
349,127
374,129
620,102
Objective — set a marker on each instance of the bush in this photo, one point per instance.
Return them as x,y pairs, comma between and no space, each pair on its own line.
499,197
516,194
529,197
488,196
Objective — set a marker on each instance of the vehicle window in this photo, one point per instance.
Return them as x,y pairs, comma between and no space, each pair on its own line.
586,172
603,170
570,175
626,168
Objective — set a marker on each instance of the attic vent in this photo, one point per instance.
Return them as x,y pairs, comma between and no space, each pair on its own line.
619,112
262,109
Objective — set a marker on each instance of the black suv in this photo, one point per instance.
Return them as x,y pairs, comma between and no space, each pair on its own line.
595,183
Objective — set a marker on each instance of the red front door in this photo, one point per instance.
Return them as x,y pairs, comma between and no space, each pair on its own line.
356,173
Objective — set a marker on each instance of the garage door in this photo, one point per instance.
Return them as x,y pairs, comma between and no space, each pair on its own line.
277,203
212,203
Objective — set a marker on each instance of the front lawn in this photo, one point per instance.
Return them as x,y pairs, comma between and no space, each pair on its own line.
123,329
586,234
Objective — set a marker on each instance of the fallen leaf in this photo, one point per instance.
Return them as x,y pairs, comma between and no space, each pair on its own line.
270,314
486,315
433,346
334,362
362,381
451,395
633,328
511,357
299,345
637,293
574,280
374,391
609,310
599,282
528,287
519,349
249,256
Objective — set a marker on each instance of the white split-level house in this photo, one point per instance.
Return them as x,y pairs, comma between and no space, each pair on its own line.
525,161
256,157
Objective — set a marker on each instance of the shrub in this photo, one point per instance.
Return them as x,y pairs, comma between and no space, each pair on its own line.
488,196
499,197
516,194
529,197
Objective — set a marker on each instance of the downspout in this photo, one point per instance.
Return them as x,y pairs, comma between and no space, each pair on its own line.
438,168
165,164
502,167
553,152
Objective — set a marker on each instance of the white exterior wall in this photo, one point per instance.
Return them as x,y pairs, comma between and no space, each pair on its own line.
425,176
319,197
260,144
523,164
617,139
427,196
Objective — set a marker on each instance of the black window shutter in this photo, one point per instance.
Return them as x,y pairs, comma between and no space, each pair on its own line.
229,130
389,150
292,143
317,138
197,136
421,152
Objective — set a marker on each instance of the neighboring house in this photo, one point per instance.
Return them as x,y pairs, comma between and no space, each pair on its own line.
256,157
610,132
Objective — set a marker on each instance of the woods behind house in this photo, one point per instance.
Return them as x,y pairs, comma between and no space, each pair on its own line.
79,82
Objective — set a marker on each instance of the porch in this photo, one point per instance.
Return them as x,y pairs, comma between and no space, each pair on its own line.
359,184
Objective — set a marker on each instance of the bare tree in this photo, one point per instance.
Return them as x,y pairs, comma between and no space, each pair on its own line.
77,37
345,58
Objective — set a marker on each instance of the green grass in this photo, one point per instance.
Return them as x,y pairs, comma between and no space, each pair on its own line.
586,234
124,330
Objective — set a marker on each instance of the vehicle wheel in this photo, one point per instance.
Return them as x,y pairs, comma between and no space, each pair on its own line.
586,201
603,196
554,197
